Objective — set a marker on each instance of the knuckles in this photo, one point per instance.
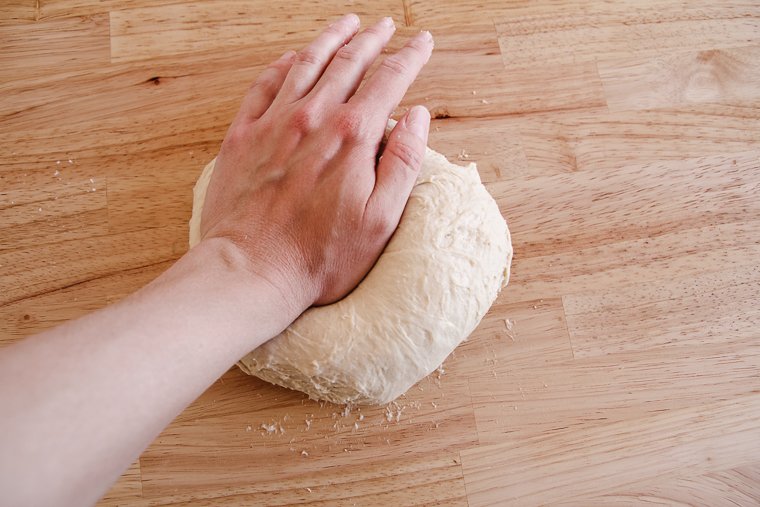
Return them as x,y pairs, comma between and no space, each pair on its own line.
268,79
264,82
380,227
305,119
237,135
347,123
395,65
406,150
349,54
350,124
307,56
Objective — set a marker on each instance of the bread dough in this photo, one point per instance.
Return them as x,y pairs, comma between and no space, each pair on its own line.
433,283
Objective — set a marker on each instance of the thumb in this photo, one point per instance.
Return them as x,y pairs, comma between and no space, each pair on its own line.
399,165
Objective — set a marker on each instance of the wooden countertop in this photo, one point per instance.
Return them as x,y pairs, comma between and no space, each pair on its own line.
622,142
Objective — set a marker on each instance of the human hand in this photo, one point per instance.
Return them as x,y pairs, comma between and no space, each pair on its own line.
298,186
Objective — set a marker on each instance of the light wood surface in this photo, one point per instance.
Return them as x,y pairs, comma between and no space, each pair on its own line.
622,142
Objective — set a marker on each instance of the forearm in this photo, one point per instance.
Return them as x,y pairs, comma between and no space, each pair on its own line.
80,402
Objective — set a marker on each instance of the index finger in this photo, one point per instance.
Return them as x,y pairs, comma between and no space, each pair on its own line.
386,87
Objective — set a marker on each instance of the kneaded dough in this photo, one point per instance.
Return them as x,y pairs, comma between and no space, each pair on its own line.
433,283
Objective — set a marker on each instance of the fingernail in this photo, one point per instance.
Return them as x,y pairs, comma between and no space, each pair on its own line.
388,21
426,35
351,19
418,121
288,55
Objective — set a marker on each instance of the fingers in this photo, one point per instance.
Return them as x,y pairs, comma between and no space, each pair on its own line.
399,166
347,69
311,61
262,92
387,86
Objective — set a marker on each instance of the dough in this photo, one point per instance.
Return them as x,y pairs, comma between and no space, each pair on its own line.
433,283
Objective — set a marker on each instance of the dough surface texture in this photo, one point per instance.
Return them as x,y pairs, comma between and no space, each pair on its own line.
433,283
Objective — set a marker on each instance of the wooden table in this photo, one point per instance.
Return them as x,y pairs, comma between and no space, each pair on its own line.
622,142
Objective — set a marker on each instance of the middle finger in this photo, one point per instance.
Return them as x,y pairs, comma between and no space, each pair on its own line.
311,61
342,77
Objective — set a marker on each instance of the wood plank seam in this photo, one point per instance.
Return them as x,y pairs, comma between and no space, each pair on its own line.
408,14
461,471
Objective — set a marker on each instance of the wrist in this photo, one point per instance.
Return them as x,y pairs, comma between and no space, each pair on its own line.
228,272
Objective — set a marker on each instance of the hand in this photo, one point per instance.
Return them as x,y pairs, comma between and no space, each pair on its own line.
298,202
298,186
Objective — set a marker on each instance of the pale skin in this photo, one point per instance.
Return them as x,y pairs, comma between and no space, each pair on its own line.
298,210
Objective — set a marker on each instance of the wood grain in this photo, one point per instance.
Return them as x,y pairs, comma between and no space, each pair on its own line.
85,259
34,49
690,252
690,77
127,491
202,26
494,144
628,203
650,315
460,84
738,486
620,140
550,468
57,9
17,11
599,140
257,424
50,203
595,36
514,402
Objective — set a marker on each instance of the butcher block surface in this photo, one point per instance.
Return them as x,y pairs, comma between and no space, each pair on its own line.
621,140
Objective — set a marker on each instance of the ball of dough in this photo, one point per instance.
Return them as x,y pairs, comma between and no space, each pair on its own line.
433,283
